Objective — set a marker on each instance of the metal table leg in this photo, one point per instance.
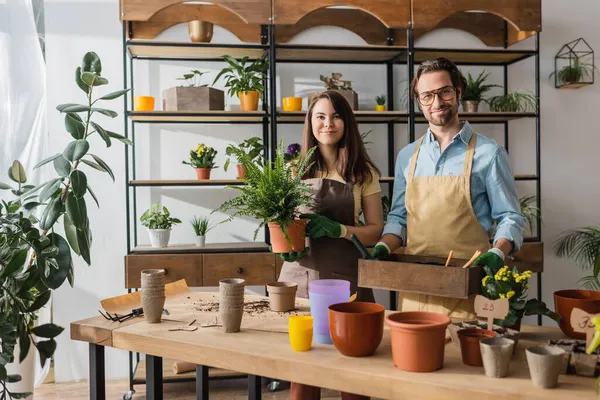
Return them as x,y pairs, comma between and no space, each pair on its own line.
254,384
97,377
201,382
154,378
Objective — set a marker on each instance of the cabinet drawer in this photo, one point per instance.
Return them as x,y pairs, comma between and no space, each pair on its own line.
178,266
255,268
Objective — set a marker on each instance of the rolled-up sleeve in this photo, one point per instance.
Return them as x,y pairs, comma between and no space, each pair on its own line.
504,201
396,220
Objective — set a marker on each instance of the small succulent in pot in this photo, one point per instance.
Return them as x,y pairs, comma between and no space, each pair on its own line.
380,100
201,227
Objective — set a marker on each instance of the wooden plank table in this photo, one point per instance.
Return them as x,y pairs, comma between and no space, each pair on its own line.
262,349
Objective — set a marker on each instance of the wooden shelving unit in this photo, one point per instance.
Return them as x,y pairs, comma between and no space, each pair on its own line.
186,182
234,247
160,50
196,117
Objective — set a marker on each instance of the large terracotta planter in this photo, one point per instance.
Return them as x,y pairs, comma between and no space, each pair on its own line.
566,300
296,232
469,345
249,100
356,328
418,340
203,173
282,296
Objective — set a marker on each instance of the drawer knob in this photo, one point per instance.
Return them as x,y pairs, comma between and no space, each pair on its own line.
240,270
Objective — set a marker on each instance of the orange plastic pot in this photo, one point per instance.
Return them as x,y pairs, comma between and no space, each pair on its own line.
356,327
249,100
566,300
203,173
296,231
292,103
418,340
469,345
143,103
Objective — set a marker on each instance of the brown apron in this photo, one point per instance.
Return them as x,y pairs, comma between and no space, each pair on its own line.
328,258
440,218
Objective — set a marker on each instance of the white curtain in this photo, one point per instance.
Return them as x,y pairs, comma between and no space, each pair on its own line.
23,125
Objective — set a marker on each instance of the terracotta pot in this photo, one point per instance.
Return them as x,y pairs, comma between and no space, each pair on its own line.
566,300
296,232
200,31
249,100
356,327
203,173
470,105
153,294
282,296
241,171
418,340
469,345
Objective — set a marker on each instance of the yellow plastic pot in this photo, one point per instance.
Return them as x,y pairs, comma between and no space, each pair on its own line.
292,103
380,107
143,103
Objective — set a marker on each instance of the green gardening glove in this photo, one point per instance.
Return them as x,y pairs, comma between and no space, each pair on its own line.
292,256
320,226
379,251
493,258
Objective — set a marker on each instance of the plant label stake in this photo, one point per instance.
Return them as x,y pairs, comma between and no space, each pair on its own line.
581,322
491,309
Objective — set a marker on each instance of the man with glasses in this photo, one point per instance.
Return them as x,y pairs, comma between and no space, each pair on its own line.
453,190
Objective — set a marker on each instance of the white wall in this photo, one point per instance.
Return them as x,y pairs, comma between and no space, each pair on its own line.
570,185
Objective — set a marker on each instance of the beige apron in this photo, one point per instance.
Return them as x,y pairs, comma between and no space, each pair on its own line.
440,218
328,258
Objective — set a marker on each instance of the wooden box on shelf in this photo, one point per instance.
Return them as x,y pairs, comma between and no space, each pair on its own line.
193,99
350,95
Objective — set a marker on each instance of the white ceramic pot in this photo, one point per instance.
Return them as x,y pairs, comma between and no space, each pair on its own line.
200,241
159,237
27,371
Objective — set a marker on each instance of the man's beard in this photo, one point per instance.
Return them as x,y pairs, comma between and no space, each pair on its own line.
443,120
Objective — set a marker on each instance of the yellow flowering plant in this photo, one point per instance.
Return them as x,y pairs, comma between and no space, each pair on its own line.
506,283
202,157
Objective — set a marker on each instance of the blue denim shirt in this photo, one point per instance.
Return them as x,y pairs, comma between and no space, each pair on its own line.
493,193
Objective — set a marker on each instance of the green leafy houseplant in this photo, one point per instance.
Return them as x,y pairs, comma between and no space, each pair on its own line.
158,218
243,76
251,147
202,157
513,102
381,99
476,88
504,283
201,225
583,246
576,71
529,209
34,259
334,82
193,79
272,193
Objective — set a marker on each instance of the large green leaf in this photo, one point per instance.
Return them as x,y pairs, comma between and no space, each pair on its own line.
76,149
76,108
120,138
57,276
24,343
15,263
40,301
93,196
93,165
50,188
102,133
4,186
71,233
17,172
51,214
62,166
77,211
48,331
61,107
46,349
79,82
104,111
74,125
78,183
89,78
47,160
103,165
84,241
3,374
100,80
114,95
91,63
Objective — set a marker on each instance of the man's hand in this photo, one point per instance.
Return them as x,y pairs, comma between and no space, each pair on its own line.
320,226
292,256
493,258
379,250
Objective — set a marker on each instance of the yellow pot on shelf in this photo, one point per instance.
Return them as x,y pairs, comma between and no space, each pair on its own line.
292,103
380,107
143,103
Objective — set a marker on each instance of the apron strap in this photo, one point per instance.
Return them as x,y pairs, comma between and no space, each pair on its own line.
469,155
413,160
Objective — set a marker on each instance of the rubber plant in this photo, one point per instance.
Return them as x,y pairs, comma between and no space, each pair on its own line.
34,258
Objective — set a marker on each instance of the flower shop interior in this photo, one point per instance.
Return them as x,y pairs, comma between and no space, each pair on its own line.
153,153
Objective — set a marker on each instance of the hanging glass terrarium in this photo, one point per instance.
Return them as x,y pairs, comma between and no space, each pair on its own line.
574,65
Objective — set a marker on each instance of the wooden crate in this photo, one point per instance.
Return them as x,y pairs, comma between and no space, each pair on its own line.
193,99
417,274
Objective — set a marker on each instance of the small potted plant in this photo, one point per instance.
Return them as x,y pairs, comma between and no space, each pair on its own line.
245,80
334,82
576,71
380,100
274,196
203,159
474,91
292,155
158,221
251,147
193,96
201,227
513,102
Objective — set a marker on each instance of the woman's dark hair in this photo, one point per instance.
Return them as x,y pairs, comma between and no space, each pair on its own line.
439,64
354,164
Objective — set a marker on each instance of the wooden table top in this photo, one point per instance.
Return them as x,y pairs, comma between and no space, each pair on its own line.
262,348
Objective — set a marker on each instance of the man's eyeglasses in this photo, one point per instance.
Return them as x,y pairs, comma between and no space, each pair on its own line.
445,93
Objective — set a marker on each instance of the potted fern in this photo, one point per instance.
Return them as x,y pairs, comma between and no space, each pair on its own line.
245,80
192,95
251,147
274,195
474,91
201,227
380,100
344,87
576,71
159,222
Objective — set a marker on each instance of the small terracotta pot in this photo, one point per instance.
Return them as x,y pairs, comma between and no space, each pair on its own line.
418,340
200,31
241,171
249,100
566,300
356,327
544,365
296,232
469,345
203,173
282,296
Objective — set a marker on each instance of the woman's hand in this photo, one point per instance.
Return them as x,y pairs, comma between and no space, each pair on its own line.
320,226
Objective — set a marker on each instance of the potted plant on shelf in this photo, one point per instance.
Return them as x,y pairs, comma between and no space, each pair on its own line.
576,71
529,210
275,197
251,147
513,102
203,160
245,80
474,91
200,31
201,227
159,223
380,100
193,96
334,82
